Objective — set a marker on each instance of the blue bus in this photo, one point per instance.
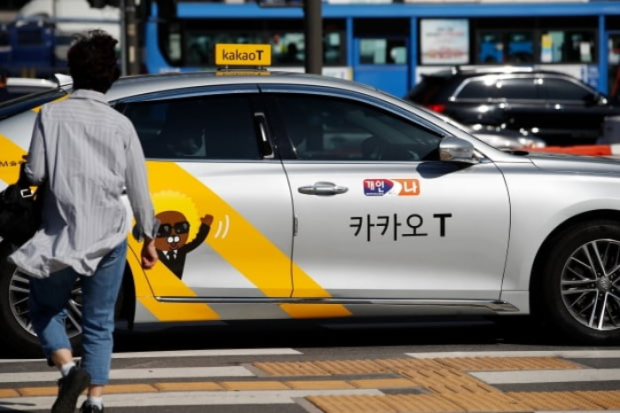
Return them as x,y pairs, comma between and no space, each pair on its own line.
27,48
390,45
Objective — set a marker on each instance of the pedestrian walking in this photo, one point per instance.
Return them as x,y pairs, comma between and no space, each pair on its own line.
85,155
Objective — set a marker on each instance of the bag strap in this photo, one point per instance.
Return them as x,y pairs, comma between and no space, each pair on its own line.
22,180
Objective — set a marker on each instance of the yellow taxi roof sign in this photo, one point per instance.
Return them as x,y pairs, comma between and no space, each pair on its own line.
242,54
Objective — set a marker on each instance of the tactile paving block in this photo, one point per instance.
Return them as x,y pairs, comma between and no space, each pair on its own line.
351,404
561,400
608,399
487,402
446,380
304,368
397,365
421,403
507,363
383,384
350,367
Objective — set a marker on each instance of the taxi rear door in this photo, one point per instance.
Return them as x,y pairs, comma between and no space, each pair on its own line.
222,199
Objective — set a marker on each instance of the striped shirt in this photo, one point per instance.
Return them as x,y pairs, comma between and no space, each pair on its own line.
87,155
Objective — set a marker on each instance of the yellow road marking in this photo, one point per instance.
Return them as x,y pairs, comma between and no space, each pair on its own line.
6,393
182,386
38,391
253,385
129,388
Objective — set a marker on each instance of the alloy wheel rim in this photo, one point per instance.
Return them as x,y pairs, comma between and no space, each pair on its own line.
19,294
590,284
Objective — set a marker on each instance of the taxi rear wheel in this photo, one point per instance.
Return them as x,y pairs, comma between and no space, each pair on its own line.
580,288
15,323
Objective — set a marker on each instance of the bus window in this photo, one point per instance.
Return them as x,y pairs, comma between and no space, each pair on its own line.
520,48
505,47
491,48
567,46
383,51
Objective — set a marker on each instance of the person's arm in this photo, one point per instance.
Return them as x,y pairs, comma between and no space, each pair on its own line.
35,166
149,253
140,199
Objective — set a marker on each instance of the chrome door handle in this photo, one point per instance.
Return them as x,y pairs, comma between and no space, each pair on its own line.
322,188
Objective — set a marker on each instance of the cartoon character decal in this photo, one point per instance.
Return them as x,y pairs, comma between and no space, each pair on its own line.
180,222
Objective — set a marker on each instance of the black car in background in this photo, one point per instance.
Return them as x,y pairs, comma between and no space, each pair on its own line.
554,106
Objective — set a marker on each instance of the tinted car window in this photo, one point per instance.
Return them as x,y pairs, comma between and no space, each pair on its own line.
477,89
519,88
560,89
211,127
492,88
322,128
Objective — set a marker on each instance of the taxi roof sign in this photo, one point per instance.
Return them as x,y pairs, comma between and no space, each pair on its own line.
242,54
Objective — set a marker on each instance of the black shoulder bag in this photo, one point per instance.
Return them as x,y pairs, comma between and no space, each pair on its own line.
20,210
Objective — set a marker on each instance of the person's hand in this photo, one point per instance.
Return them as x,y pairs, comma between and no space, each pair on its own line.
149,253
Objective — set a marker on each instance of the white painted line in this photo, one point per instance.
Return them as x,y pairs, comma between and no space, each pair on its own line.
547,376
211,353
552,353
138,374
187,353
186,398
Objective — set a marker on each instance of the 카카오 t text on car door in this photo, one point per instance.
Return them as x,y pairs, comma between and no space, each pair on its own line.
378,214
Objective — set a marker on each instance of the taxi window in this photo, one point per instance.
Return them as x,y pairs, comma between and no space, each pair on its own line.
326,128
200,128
29,101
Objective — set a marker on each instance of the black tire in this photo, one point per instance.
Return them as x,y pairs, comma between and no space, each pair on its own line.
579,288
16,330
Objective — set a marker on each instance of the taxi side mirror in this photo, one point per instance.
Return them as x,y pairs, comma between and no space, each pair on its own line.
454,149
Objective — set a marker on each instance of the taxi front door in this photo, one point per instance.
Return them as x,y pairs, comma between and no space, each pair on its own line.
375,225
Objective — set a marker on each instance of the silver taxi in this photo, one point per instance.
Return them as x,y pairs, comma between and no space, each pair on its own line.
291,196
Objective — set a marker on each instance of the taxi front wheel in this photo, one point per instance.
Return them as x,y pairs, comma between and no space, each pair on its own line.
16,329
580,285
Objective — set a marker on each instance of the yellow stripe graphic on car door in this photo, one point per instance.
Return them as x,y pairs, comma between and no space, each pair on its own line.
10,159
161,310
262,263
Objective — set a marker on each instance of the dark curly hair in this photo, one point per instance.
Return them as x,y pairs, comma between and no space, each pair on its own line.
92,61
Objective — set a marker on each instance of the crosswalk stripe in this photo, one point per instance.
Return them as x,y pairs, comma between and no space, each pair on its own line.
138,374
549,353
211,353
548,376
189,398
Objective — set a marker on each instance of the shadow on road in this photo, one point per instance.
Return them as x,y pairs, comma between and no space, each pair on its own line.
338,333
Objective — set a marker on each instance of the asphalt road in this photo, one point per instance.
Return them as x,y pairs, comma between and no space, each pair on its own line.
431,364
